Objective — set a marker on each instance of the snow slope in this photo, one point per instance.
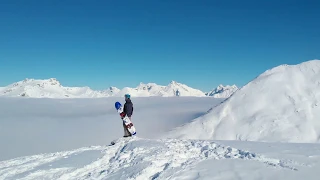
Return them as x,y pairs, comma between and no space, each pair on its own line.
51,88
282,104
138,158
222,91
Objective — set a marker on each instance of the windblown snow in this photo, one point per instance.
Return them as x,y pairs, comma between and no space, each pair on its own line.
52,88
282,104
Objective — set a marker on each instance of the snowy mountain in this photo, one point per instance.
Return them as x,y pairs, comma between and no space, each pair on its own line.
51,88
151,89
110,91
69,138
222,91
281,104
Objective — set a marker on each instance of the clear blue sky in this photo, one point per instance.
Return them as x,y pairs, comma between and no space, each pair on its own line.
122,43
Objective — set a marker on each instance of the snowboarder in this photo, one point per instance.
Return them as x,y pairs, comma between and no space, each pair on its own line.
127,110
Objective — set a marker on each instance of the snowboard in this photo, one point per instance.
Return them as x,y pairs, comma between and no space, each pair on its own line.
125,119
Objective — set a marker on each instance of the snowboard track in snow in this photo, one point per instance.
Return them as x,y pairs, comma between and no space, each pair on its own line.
132,158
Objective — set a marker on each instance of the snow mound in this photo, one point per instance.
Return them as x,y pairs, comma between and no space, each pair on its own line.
282,104
223,91
128,159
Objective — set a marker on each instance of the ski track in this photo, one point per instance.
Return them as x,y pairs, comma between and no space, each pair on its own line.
131,158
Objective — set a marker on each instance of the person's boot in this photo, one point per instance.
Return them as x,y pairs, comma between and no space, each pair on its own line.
127,135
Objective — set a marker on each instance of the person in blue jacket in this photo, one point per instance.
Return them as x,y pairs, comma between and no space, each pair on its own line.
127,110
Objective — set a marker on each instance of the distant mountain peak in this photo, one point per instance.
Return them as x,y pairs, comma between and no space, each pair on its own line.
223,91
112,88
173,82
52,88
176,83
27,80
54,81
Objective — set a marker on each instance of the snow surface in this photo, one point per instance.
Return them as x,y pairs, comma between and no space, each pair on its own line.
52,88
222,91
280,105
140,159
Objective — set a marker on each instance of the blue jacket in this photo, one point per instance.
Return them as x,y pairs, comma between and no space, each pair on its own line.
128,108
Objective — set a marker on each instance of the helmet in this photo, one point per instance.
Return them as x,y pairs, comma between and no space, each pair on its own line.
127,96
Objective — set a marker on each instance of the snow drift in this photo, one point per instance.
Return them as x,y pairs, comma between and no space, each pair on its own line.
282,104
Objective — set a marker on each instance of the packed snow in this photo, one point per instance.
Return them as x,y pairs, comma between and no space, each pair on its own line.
222,91
140,159
281,104
52,88
181,138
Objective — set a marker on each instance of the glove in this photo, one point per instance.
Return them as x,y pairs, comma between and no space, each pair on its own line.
122,114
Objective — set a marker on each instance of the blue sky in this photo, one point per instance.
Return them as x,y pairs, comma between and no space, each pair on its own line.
122,43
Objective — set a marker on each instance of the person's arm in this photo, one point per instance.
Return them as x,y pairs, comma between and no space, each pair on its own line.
125,109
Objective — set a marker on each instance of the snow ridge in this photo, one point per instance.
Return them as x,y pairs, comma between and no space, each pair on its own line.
281,104
133,158
222,91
